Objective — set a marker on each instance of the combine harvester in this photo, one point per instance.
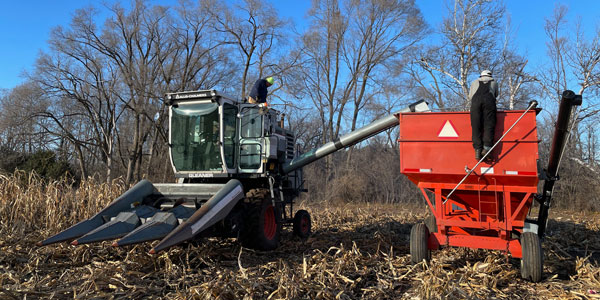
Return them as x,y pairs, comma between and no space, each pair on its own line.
238,176
483,204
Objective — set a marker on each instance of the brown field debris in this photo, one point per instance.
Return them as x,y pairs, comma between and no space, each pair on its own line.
357,251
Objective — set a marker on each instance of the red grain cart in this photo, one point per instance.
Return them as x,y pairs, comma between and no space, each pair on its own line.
481,204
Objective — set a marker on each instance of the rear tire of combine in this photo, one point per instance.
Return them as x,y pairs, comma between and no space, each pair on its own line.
533,258
419,235
302,224
263,227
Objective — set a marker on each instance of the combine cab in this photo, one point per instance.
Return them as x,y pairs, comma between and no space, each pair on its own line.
238,176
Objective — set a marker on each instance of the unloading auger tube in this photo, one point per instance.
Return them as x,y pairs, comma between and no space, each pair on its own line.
234,206
353,137
559,141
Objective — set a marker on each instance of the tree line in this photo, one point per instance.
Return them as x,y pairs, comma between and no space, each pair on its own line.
95,97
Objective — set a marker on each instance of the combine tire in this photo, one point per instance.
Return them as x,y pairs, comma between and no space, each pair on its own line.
431,224
419,234
532,261
302,224
262,228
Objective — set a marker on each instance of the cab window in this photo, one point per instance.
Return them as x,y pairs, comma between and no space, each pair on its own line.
251,123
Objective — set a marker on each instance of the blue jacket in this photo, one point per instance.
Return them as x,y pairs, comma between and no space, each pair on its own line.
259,91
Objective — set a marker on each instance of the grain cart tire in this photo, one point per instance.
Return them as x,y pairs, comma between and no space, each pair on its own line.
419,235
262,229
533,259
431,224
302,224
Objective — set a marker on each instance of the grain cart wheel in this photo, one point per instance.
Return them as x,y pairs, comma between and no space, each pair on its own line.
419,234
431,224
533,258
263,227
302,224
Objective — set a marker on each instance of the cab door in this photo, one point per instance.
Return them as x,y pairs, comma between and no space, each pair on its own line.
229,136
251,136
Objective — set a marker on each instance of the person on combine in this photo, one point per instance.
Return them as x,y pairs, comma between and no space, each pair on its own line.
258,94
483,94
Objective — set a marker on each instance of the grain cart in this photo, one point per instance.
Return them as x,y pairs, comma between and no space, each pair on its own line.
238,175
482,204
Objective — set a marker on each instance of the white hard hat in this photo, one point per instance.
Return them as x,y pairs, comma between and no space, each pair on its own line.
487,73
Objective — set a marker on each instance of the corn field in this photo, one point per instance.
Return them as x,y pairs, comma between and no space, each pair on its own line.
356,251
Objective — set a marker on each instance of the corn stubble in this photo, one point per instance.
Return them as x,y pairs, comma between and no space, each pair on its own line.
356,251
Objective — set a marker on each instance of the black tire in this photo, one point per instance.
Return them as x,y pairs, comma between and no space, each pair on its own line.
302,224
262,228
533,258
419,235
431,224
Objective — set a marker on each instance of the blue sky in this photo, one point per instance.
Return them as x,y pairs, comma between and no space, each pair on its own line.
25,25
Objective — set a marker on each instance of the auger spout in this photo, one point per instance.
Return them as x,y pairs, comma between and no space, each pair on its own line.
353,137
568,102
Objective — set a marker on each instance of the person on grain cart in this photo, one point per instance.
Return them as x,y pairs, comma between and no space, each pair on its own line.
483,94
258,94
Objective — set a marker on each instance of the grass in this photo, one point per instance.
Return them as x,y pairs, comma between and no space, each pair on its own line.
356,251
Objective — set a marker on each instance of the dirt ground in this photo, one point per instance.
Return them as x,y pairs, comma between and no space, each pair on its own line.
357,251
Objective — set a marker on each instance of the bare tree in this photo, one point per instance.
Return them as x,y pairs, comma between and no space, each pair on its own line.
585,60
380,30
347,51
19,129
346,48
85,86
254,29
152,56
116,77
515,82
324,80
554,78
424,79
574,61
469,33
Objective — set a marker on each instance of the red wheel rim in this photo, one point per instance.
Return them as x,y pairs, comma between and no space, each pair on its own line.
270,226
304,222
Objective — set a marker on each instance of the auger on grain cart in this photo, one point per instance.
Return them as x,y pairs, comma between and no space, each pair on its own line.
482,204
238,175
